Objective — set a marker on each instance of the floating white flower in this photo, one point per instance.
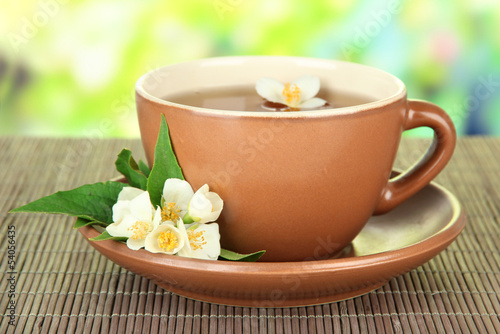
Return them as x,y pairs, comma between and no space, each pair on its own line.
133,217
202,241
299,94
165,238
179,201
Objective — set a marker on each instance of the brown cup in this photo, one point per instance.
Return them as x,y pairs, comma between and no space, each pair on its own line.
300,185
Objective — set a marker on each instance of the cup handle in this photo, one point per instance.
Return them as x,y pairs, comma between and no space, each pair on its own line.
403,186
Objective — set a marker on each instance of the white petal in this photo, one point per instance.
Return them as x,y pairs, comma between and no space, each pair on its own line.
151,242
205,206
315,102
141,208
135,244
270,89
129,193
115,230
199,207
122,206
308,85
170,223
179,192
212,237
210,249
217,205
121,229
120,210
187,245
156,219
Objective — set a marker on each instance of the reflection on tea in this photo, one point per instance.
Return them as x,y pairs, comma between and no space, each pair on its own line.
245,98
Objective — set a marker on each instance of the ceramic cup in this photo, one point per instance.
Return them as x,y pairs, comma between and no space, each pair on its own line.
300,185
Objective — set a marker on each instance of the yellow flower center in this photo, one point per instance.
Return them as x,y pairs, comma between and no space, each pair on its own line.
167,241
292,96
139,230
196,239
170,211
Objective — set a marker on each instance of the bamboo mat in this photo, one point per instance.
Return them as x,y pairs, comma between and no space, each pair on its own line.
64,286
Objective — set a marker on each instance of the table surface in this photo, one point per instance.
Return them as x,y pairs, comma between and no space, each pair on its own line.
64,285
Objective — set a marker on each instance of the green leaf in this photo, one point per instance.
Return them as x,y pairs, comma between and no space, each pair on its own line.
233,256
143,167
81,222
106,236
126,165
91,202
165,165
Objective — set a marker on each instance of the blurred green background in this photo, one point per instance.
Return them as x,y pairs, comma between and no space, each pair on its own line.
68,68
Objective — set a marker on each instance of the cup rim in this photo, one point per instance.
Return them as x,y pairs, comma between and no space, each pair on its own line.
380,103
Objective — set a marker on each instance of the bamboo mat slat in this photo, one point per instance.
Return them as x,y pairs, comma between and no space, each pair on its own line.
63,285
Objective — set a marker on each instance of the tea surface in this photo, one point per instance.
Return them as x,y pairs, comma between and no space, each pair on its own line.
245,98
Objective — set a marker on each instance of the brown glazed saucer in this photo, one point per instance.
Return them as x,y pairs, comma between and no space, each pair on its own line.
388,246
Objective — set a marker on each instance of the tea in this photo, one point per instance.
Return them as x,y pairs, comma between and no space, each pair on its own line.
245,98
